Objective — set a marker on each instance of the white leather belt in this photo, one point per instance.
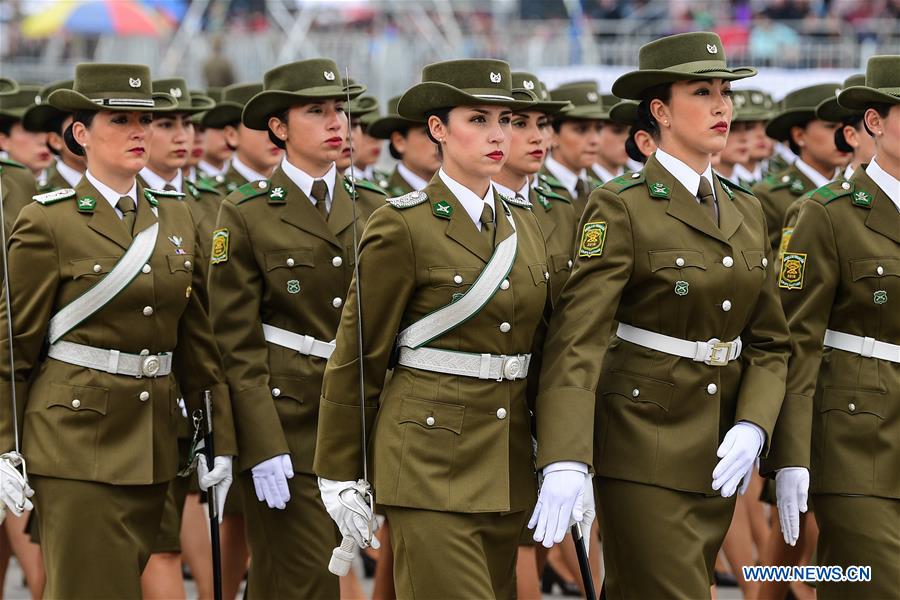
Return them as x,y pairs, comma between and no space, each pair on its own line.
479,366
304,344
713,352
864,346
112,361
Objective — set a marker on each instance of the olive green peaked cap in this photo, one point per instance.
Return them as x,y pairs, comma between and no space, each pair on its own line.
752,105
527,86
213,92
228,110
297,83
467,82
685,56
383,127
799,107
882,84
186,102
587,102
116,87
41,116
14,106
830,110
624,112
8,86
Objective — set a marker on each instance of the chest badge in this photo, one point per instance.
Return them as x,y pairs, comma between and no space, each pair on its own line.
880,297
682,288
659,190
861,198
593,238
177,240
219,252
442,209
293,286
86,204
792,270
797,186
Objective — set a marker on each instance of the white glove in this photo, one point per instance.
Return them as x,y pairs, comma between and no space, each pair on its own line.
347,504
791,492
738,452
14,490
560,503
270,480
220,477
183,407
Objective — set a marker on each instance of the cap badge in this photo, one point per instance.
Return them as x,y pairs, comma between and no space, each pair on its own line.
176,92
329,75
134,82
712,49
528,84
495,77
756,98
592,97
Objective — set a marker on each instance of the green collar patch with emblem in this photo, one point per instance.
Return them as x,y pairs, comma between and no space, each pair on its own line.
442,209
86,204
277,195
659,190
862,198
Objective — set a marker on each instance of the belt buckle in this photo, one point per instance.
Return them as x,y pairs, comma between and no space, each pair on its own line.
512,366
718,354
150,366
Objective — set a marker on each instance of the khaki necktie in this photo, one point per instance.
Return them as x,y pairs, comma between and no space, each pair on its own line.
319,193
708,199
126,205
487,222
582,189
169,188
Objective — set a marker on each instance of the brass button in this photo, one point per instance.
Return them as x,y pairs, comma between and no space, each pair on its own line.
635,393
728,262
845,185
76,403
679,262
262,185
148,310
337,261
144,396
505,284
879,270
851,406
429,421
765,262
188,264
457,279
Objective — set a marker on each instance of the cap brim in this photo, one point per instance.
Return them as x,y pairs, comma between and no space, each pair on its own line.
71,101
746,116
8,86
260,107
37,118
585,113
829,110
624,112
222,114
860,97
631,85
779,128
383,127
199,104
433,95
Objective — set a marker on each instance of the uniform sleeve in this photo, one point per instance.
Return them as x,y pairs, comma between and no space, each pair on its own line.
807,308
33,280
198,364
579,334
764,355
235,294
387,281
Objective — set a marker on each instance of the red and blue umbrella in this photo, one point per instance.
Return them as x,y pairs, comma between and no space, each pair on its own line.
98,17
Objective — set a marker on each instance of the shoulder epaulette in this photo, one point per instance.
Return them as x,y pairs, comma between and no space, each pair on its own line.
251,190
516,201
205,186
728,185
623,182
214,181
55,196
545,191
364,184
8,162
837,189
781,181
550,180
408,200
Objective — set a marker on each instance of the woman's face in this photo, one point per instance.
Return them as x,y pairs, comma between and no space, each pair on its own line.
696,118
215,146
526,149
577,145
118,141
760,144
27,147
366,149
419,153
737,147
197,142
816,142
255,148
314,133
170,144
476,139
612,144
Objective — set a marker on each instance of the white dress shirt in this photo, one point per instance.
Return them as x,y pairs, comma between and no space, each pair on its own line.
211,170
505,191
304,181
414,181
72,176
817,178
473,205
565,176
604,175
245,171
112,196
688,177
889,184
157,183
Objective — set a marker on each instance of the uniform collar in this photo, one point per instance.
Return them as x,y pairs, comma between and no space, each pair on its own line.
72,176
111,195
414,181
368,173
785,153
744,174
505,191
604,175
818,180
565,176
211,170
304,181
887,182
688,177
469,199
155,182
848,172
245,171
191,174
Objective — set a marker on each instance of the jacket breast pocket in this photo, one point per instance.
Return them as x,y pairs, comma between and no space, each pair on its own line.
289,258
848,435
452,277
430,432
180,262
755,259
561,262
76,415
676,259
539,274
874,268
93,268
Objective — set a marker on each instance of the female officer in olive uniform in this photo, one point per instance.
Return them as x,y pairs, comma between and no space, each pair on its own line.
683,398
452,443
282,257
104,273
839,286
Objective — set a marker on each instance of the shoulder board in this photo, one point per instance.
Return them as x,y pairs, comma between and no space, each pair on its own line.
516,201
407,200
251,190
550,180
54,197
623,182
164,194
777,182
8,162
841,189
545,191
364,184
728,186
205,185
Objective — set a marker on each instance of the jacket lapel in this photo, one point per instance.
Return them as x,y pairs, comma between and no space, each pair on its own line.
883,215
460,228
104,219
503,228
341,216
730,218
299,211
145,217
397,184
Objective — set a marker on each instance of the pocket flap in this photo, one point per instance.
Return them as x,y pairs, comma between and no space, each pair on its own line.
754,258
181,262
638,388
676,259
452,276
432,415
561,262
93,266
289,258
874,267
539,273
289,388
78,397
853,401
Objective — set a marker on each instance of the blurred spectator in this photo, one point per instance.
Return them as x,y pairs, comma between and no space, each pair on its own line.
769,40
786,9
217,70
543,9
604,9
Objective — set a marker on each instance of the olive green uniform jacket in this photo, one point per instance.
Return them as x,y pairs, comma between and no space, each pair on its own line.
439,442
282,265
652,258
88,424
397,186
556,216
548,180
17,185
841,415
776,193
